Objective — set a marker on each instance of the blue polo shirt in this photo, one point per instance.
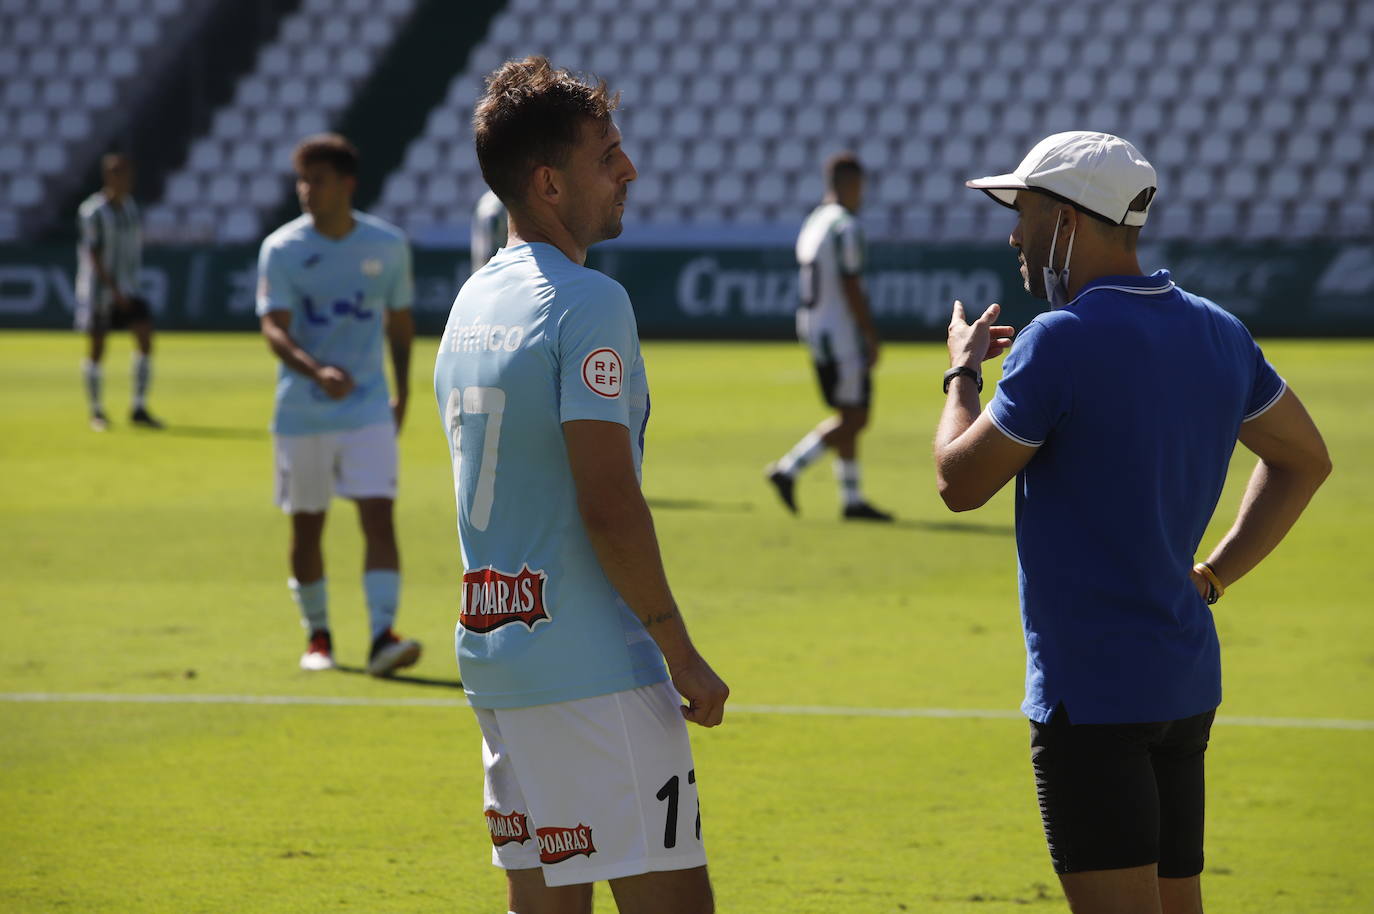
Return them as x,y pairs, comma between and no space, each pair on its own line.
1134,394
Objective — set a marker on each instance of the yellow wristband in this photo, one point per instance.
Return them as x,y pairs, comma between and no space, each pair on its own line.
1206,571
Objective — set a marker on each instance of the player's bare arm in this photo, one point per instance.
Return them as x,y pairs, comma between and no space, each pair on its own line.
1293,463
400,333
973,459
621,529
333,380
104,276
857,300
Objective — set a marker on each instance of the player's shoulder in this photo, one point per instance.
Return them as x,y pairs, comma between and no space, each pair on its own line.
372,228
92,204
297,231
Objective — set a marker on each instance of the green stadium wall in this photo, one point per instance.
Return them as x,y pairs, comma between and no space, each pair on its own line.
1317,289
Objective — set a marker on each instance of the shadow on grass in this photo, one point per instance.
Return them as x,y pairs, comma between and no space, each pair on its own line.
698,504
214,431
956,526
408,680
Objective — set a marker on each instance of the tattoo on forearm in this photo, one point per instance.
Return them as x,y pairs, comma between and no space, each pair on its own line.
651,621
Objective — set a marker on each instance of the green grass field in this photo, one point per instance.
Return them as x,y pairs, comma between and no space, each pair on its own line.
153,564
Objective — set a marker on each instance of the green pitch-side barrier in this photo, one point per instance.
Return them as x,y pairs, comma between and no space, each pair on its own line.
1315,289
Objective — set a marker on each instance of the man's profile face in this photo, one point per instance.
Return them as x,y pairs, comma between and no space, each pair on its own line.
598,173
1032,235
322,190
119,176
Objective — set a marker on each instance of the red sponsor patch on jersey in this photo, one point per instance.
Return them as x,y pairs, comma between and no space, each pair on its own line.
559,844
603,373
494,598
512,828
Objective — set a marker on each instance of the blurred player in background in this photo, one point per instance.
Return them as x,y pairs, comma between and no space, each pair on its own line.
834,321
566,616
331,285
490,226
1119,409
108,258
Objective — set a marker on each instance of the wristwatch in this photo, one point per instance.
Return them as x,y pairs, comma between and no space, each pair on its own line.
958,370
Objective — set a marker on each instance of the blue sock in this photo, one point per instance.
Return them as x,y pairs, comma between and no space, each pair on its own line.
313,600
383,590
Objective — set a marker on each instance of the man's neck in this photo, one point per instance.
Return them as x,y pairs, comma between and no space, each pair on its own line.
1114,264
526,228
334,226
115,198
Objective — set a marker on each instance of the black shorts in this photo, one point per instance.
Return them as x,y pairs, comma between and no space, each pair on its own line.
117,318
1122,795
844,380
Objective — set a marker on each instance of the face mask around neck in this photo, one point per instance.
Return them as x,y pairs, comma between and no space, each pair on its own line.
1057,281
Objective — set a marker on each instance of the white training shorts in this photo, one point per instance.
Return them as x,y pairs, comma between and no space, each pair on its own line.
594,789
358,463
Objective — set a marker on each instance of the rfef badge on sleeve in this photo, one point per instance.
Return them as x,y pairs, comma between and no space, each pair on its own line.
603,373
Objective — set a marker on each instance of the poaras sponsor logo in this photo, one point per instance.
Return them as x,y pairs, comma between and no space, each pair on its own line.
493,598
559,844
511,828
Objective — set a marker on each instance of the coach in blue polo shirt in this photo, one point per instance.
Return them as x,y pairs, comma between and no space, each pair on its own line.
1117,414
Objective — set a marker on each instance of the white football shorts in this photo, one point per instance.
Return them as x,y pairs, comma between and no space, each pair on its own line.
594,789
358,463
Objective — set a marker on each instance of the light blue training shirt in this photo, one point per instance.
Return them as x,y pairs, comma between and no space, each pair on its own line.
533,341
336,292
1134,394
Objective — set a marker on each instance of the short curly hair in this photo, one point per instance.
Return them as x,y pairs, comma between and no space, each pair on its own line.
531,115
328,149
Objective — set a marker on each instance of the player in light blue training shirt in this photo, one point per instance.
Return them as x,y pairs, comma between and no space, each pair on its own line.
332,285
566,618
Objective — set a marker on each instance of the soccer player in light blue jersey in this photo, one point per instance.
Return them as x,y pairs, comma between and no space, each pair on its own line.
567,618
332,285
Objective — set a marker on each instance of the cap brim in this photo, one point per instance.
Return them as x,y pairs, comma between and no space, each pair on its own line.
1001,188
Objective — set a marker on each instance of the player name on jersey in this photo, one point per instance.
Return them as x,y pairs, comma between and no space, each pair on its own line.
559,844
478,337
511,828
494,598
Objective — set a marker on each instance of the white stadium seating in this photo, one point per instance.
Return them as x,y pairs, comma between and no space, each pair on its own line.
1258,115
236,175
1255,114
66,69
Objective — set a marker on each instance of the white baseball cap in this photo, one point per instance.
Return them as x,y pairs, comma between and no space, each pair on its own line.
1097,172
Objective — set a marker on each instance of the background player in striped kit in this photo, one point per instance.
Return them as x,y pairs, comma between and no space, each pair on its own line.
109,256
332,284
490,225
834,321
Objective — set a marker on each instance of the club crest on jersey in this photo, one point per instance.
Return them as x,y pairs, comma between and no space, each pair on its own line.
559,844
603,373
494,598
372,267
511,828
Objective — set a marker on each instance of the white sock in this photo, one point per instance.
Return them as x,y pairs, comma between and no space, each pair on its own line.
803,453
847,472
313,601
91,376
143,376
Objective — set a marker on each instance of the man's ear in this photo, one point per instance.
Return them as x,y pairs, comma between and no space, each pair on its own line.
545,184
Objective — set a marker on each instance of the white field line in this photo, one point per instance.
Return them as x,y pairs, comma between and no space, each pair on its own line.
1301,723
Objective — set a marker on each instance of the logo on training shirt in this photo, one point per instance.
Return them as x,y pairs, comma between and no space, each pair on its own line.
372,266
494,598
602,372
508,829
559,844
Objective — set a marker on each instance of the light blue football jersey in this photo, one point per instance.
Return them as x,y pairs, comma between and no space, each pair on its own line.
533,341
336,292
